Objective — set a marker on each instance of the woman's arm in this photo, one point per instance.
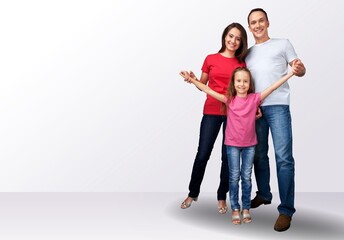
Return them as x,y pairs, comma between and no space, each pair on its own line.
203,87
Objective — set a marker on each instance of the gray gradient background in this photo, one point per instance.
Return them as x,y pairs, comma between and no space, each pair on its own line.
91,99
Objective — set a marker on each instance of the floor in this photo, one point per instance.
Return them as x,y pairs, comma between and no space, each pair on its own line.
103,216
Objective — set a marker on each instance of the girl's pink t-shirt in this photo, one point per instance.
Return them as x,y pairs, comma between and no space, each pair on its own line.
241,121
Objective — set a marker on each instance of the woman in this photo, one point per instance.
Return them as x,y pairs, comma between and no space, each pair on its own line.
216,73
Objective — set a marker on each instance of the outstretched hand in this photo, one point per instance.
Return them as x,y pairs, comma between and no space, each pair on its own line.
298,68
187,76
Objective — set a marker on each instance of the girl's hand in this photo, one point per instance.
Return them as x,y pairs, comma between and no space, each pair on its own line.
298,68
192,75
258,113
186,76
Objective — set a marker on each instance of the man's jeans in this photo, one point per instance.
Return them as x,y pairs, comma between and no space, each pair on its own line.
277,118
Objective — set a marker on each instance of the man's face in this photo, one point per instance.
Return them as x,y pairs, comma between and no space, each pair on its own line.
258,25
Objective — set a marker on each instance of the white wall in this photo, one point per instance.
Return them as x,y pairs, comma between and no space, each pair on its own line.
91,99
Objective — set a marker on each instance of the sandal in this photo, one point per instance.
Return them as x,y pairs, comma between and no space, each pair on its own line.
186,204
246,216
236,217
222,210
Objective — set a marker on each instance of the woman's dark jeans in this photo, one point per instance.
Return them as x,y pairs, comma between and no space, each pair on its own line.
210,127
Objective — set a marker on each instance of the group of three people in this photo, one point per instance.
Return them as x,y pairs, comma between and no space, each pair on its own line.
248,95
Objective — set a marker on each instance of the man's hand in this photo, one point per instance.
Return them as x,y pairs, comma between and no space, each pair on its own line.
298,68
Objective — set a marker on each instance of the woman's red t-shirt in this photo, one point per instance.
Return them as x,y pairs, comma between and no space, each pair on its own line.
219,70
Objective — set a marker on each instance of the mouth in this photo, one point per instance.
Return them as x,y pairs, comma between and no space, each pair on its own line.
258,31
231,45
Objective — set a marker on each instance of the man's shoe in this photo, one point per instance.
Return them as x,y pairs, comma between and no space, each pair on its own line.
282,223
257,201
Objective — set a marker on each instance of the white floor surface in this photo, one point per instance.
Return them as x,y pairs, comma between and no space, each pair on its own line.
103,216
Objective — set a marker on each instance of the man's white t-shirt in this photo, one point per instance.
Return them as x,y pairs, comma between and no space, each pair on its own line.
268,62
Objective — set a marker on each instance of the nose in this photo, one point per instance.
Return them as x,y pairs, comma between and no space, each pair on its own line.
256,25
240,84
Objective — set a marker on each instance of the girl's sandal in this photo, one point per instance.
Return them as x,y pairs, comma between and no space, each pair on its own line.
236,217
246,217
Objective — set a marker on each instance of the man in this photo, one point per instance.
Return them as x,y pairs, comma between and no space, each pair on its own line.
268,60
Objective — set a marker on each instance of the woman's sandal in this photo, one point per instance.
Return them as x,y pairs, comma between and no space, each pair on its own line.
236,217
186,204
246,217
222,210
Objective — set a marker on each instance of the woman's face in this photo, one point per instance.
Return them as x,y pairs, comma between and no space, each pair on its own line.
233,39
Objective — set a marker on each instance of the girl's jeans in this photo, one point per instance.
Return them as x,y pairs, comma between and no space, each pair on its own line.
236,172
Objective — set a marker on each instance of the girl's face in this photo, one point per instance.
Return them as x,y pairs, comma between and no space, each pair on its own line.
233,39
242,83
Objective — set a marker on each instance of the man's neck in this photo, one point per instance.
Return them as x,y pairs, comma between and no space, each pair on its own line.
262,40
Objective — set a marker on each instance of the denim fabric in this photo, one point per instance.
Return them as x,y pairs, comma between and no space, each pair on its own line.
277,118
210,127
236,173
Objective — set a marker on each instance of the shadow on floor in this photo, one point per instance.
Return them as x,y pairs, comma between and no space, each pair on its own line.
306,223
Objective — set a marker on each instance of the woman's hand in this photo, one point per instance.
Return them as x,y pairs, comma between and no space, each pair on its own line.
187,76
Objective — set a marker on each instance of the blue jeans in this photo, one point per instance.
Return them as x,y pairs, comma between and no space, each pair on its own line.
236,172
210,127
277,118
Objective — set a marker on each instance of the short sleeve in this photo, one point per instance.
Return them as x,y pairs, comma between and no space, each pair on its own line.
205,66
290,53
257,99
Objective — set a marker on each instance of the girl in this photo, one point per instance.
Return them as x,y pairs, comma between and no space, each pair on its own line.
240,137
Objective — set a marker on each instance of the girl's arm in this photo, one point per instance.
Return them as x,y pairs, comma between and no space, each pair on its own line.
188,76
201,86
277,84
